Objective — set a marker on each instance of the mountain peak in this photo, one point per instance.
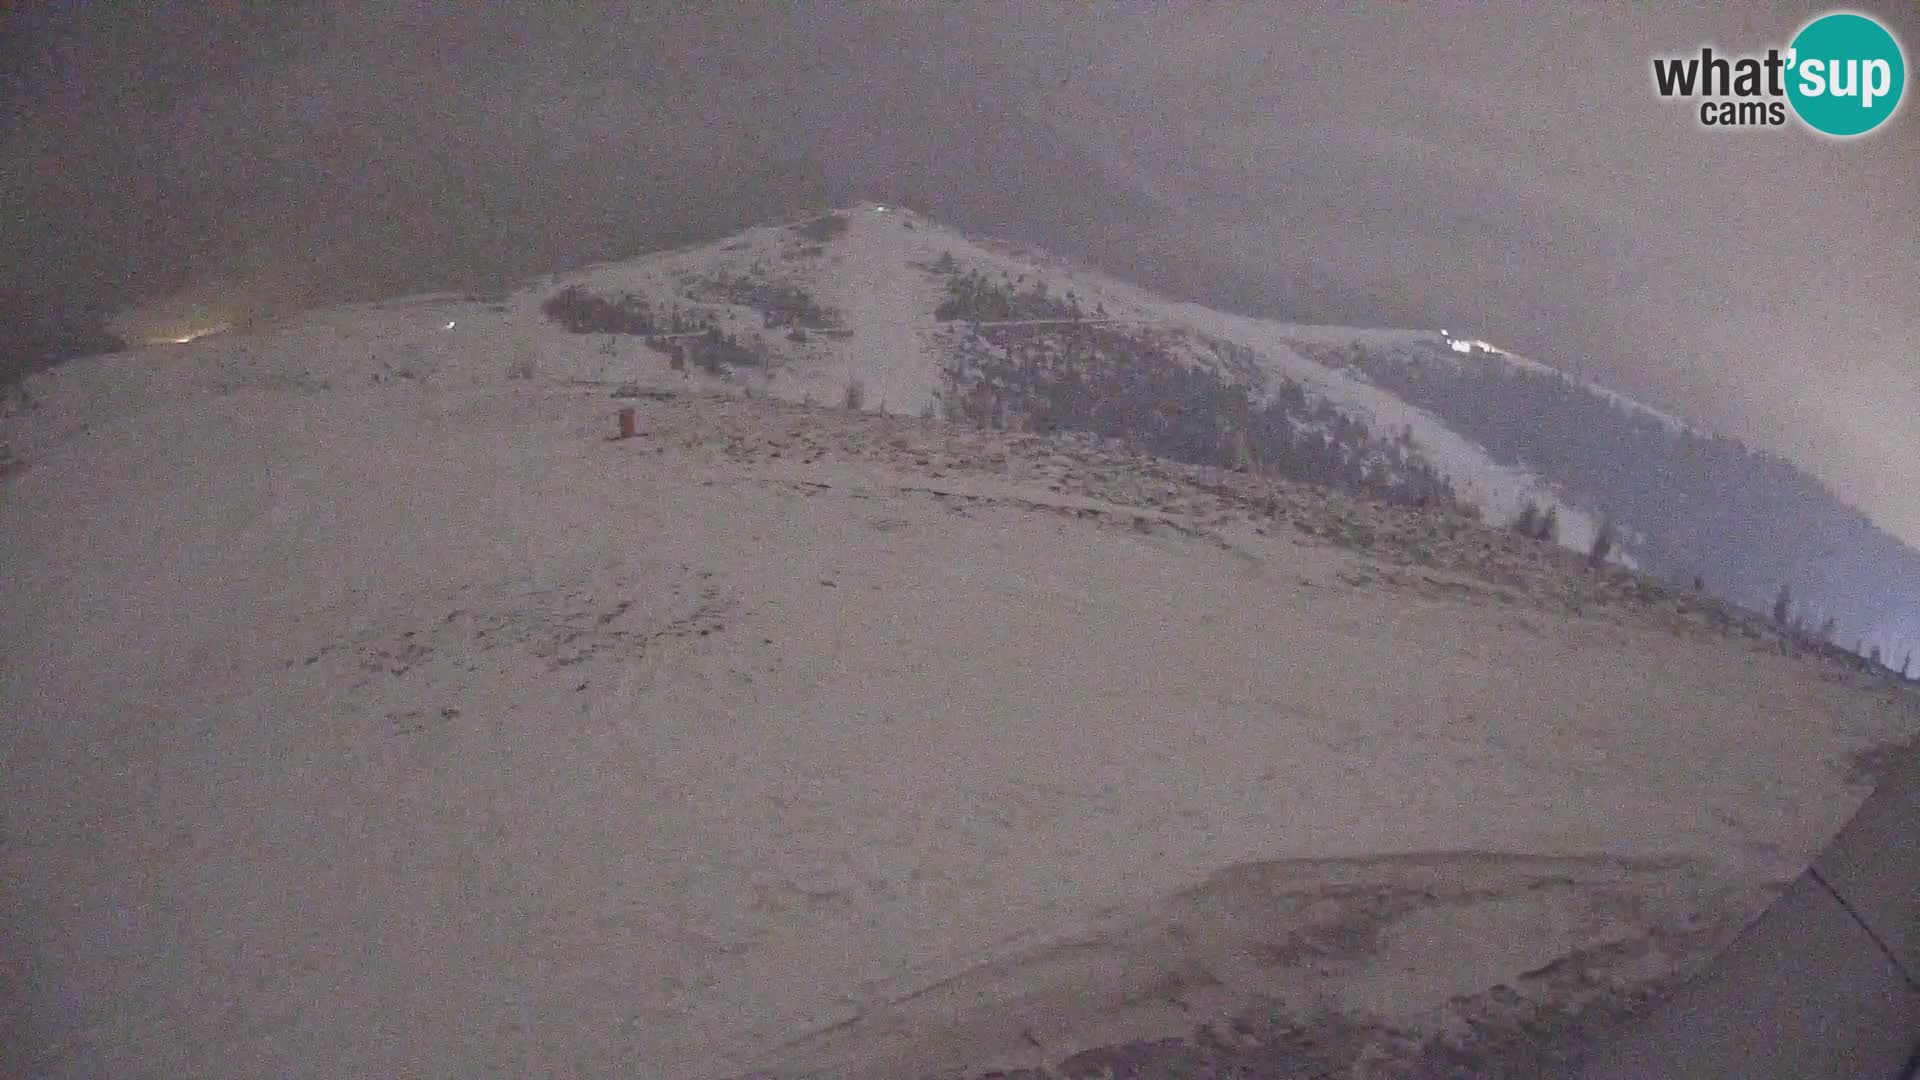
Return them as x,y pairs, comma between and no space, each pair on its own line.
874,303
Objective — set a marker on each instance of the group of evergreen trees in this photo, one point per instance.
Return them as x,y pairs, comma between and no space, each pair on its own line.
1702,502
714,352
778,304
1131,385
1544,527
974,297
688,337
583,312
1534,525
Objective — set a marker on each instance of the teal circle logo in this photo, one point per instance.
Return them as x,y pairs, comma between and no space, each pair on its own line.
1845,74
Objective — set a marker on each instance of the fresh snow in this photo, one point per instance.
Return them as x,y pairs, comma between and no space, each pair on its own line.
414,726
369,711
874,275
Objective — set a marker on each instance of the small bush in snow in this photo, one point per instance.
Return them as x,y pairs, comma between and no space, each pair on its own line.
1549,530
1528,519
1602,543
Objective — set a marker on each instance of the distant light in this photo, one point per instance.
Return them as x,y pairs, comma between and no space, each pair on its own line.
191,335
879,209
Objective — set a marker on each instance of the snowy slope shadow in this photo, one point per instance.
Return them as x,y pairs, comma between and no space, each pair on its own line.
1378,967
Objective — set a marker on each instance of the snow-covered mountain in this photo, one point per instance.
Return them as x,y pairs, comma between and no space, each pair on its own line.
907,316
371,709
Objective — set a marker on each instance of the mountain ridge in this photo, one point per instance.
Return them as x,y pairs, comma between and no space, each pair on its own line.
915,318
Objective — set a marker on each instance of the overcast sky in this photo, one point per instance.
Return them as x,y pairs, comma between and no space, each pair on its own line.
1500,169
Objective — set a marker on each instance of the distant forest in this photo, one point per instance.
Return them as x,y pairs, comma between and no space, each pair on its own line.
1745,521
1138,385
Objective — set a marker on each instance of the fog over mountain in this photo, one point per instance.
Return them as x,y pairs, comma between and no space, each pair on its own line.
1507,172
933,539
536,684
881,308
929,321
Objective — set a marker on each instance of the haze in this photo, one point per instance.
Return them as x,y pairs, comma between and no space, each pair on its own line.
1504,170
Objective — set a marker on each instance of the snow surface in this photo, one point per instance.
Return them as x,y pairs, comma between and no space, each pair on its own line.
875,276
879,256
362,722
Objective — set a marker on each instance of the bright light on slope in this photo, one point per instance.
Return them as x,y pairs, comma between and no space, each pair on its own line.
1467,345
192,335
